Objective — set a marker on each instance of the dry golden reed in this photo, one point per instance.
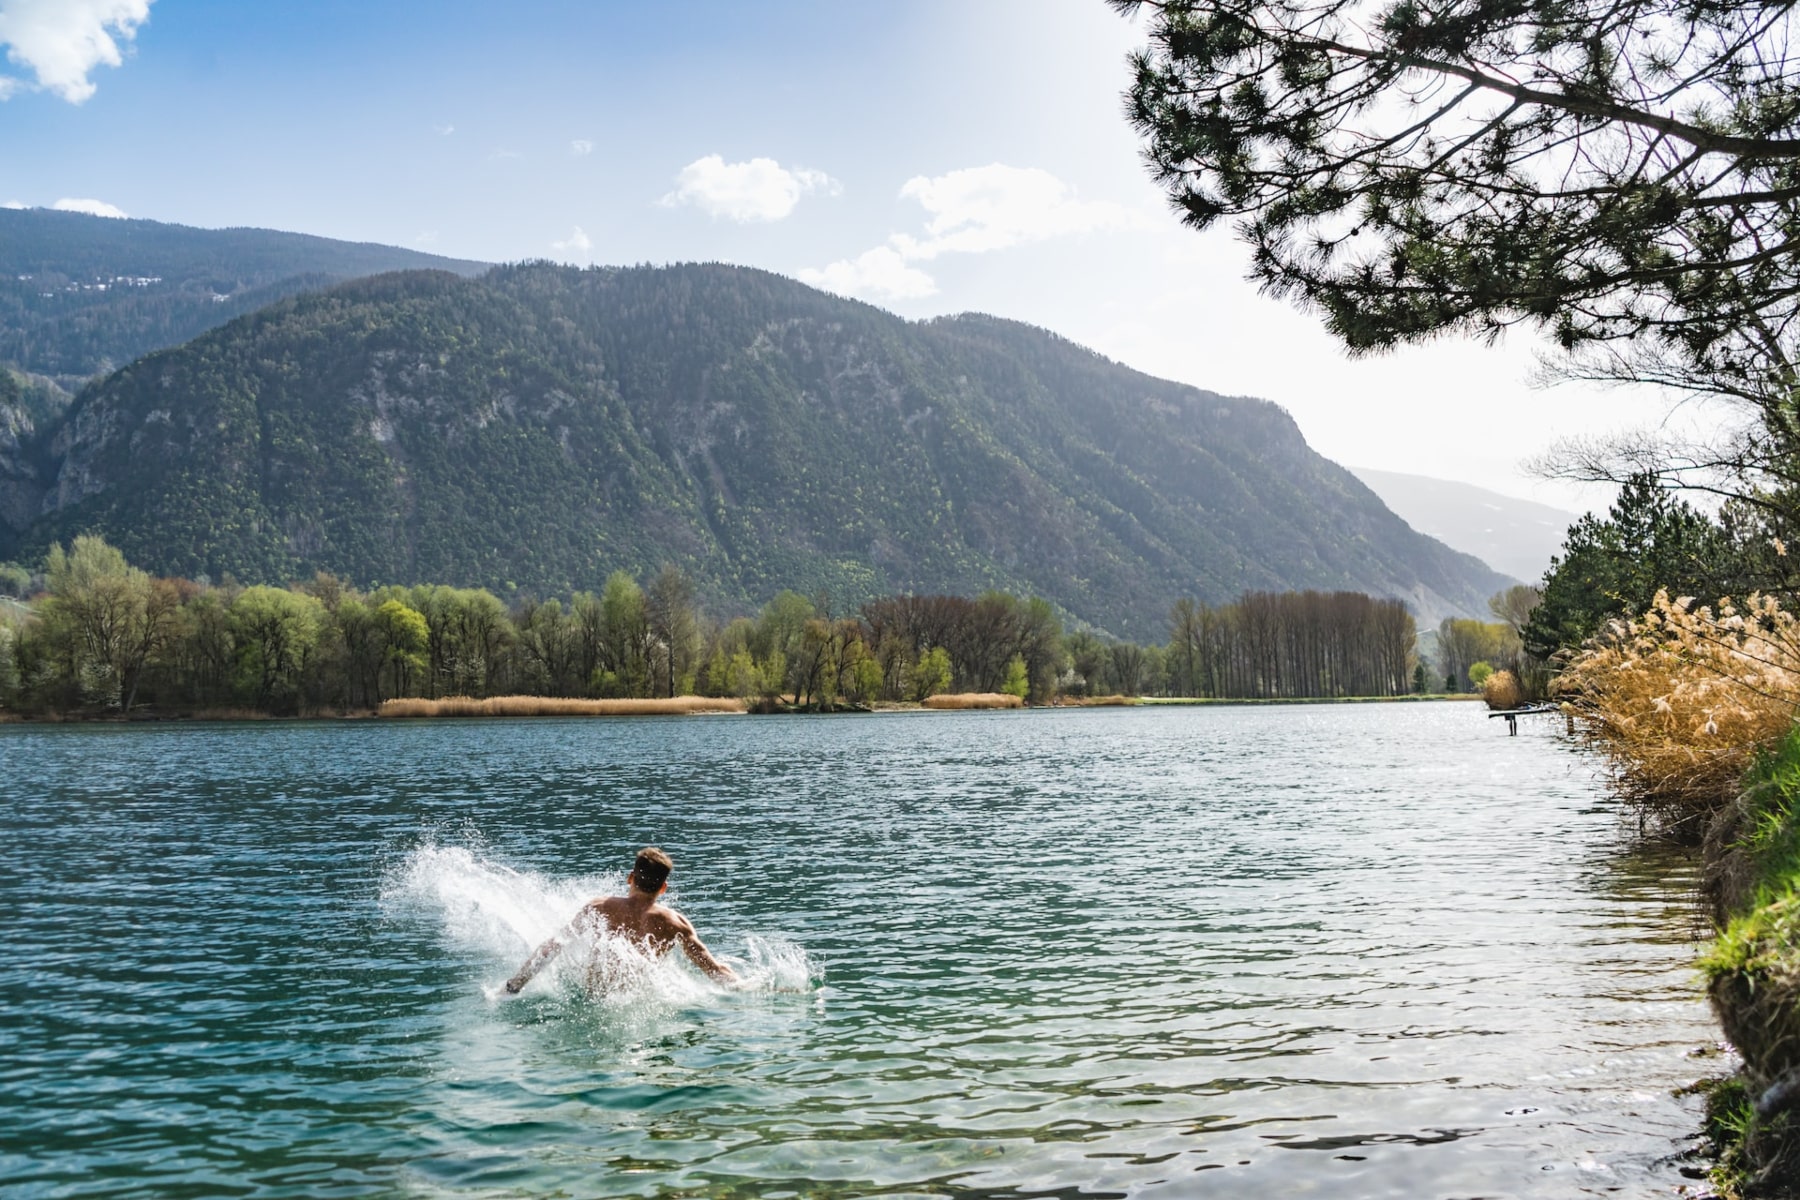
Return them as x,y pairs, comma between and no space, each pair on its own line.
974,700
555,706
1681,698
1501,690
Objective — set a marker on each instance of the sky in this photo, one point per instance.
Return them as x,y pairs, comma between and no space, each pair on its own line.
930,157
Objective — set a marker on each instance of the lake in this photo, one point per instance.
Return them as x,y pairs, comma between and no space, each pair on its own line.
1333,950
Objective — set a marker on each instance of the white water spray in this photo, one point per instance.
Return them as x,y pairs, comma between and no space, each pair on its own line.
499,914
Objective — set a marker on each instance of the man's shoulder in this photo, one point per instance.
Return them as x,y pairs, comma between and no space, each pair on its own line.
673,919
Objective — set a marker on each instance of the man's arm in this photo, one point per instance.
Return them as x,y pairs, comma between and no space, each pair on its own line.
541,957
699,955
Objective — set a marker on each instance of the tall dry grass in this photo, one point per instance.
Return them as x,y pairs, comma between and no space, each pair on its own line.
1681,699
1501,690
555,706
974,700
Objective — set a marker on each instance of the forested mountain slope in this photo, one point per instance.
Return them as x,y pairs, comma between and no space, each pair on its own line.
81,294
540,426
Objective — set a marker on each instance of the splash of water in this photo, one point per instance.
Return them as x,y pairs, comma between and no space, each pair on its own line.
498,914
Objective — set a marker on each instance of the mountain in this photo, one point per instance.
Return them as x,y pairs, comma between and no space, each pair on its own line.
539,426
1516,536
81,294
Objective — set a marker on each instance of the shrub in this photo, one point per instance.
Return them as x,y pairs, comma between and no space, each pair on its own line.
1501,690
1682,699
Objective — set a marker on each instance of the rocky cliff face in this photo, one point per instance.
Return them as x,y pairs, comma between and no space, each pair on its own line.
539,426
21,488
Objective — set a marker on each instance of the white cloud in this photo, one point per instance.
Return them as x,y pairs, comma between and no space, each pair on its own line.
427,237
972,211
93,208
759,190
15,204
581,147
60,41
444,130
993,207
577,246
879,272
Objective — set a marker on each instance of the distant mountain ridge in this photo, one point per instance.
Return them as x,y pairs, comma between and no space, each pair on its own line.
1518,537
81,294
540,426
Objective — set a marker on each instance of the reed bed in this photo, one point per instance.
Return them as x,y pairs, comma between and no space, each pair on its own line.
974,700
556,706
1099,701
1501,690
1683,698
228,714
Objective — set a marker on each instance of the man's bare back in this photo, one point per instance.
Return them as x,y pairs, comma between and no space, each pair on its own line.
639,917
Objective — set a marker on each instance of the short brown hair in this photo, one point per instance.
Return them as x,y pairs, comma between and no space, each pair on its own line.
651,870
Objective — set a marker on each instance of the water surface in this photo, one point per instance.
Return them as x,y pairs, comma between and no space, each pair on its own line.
1334,951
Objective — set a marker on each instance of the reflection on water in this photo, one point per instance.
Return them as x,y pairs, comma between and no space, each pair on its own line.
1335,951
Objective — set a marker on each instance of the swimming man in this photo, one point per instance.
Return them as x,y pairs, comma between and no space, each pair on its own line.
639,917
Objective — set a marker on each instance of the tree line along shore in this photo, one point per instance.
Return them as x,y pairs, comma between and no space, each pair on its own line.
100,637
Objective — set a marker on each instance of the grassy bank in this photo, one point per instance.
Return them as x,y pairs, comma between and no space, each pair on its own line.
1753,977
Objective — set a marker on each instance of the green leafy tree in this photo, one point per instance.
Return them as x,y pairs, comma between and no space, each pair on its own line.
737,676
108,617
402,635
15,580
201,653
547,649
9,664
1127,666
1462,644
862,676
276,632
363,643
930,675
478,639
1018,678
781,631
625,637
1091,661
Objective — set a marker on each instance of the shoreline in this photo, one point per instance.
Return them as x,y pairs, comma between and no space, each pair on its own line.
247,716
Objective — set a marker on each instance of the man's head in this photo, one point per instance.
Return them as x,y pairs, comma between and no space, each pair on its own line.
651,871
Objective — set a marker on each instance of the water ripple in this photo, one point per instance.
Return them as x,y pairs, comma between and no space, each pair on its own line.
1336,951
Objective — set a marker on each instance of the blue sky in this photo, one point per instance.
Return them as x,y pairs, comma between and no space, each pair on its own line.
930,157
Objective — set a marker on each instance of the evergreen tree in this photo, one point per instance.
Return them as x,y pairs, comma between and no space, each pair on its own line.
1614,566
